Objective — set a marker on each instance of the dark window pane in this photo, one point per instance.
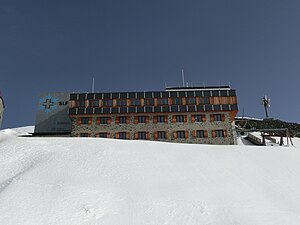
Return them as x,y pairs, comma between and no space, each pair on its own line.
142,135
115,95
123,95
90,96
148,94
181,134
174,108
123,110
73,96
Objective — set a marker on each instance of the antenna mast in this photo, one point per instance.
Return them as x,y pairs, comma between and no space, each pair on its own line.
93,85
182,75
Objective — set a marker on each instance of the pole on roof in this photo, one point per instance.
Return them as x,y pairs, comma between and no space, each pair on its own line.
182,75
93,85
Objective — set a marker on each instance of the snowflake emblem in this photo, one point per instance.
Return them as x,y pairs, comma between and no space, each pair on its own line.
47,104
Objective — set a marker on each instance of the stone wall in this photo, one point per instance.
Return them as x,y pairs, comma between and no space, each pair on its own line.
93,129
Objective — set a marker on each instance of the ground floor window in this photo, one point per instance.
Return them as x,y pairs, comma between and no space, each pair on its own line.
103,135
84,135
220,133
142,135
161,135
122,135
200,134
181,134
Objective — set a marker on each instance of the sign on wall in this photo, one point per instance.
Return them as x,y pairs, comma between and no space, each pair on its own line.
52,113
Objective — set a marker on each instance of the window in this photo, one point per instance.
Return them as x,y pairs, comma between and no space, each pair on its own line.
122,119
122,135
84,120
80,104
200,134
103,135
181,134
149,101
142,119
217,117
107,103
135,102
162,101
93,103
219,133
142,135
177,101
179,118
204,100
161,135
161,119
84,135
121,102
191,101
199,118
103,120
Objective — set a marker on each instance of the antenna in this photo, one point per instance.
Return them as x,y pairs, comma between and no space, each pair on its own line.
93,85
182,74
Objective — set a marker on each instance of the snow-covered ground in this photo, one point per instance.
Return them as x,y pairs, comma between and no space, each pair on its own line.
88,181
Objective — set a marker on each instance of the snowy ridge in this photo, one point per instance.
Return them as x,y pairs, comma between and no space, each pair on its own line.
105,181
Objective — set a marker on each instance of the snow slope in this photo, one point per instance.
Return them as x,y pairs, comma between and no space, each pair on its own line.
88,181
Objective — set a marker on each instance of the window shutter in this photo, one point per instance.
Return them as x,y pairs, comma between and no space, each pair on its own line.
127,135
186,134
117,135
136,135
175,134
108,120
213,134
117,121
166,119
193,118
98,120
203,118
127,119
194,133
147,135
155,135
185,118
173,119
223,117
205,134
90,120
154,119
79,121
136,120
86,103
212,118
147,119
225,133
167,135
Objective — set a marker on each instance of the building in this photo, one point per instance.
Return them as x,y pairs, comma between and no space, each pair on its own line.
2,106
184,115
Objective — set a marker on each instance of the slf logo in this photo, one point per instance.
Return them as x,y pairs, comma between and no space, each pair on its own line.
48,104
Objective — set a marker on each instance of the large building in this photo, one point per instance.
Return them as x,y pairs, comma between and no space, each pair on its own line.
185,115
2,106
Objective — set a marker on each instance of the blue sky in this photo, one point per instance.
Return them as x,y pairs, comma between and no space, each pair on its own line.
49,46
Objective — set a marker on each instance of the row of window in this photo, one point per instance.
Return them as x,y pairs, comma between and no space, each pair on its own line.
152,102
161,135
146,119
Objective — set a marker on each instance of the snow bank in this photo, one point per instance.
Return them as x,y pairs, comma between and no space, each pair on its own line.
101,181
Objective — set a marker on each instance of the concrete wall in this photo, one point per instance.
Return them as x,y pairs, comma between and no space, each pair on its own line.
52,114
150,127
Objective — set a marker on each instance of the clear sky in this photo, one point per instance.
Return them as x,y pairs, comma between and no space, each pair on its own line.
137,45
